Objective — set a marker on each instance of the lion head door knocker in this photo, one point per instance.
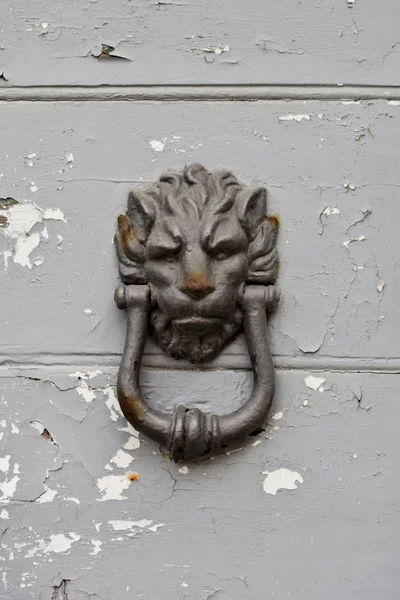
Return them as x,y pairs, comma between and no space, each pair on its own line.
198,263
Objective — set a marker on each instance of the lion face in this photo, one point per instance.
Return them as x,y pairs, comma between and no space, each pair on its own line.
196,238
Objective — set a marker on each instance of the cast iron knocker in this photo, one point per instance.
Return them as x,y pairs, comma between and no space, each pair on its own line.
198,262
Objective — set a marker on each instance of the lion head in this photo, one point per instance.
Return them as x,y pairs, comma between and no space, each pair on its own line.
196,238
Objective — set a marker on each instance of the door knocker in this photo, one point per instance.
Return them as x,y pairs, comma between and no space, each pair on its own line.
198,262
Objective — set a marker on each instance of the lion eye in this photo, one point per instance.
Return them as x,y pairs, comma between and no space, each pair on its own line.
221,255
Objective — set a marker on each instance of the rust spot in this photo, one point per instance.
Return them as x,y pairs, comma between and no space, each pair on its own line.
47,435
127,240
132,476
196,286
274,219
132,408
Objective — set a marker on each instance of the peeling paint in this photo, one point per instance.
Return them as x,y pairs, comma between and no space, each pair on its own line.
360,238
157,146
96,547
380,285
296,118
20,218
328,210
183,470
122,459
112,403
61,542
5,463
281,479
8,488
314,383
47,496
112,486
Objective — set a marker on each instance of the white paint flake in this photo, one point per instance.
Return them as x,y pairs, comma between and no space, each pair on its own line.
70,157
278,416
20,219
314,383
83,388
328,210
85,391
5,463
38,426
23,249
394,102
34,188
360,238
156,526
112,404
133,442
6,255
281,479
96,547
157,146
112,486
296,118
184,470
47,496
61,543
122,459
380,285
4,514
217,49
8,487
121,525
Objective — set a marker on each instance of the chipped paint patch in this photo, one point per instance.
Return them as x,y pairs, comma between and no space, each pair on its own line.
360,238
122,459
97,544
157,146
183,470
47,496
4,514
314,383
281,479
296,118
122,525
329,210
61,543
394,102
19,219
83,388
380,285
7,488
277,416
112,403
112,486
5,463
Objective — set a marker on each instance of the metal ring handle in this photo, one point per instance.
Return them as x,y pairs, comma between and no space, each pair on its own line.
189,433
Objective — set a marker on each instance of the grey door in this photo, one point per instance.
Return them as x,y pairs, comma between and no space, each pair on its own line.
100,97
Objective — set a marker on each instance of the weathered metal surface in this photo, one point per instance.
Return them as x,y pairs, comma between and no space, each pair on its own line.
197,258
197,41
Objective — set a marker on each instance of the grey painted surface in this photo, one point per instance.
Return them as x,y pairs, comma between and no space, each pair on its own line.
333,536
163,42
73,526
327,307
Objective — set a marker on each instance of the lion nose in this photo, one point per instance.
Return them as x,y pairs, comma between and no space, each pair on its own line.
196,288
